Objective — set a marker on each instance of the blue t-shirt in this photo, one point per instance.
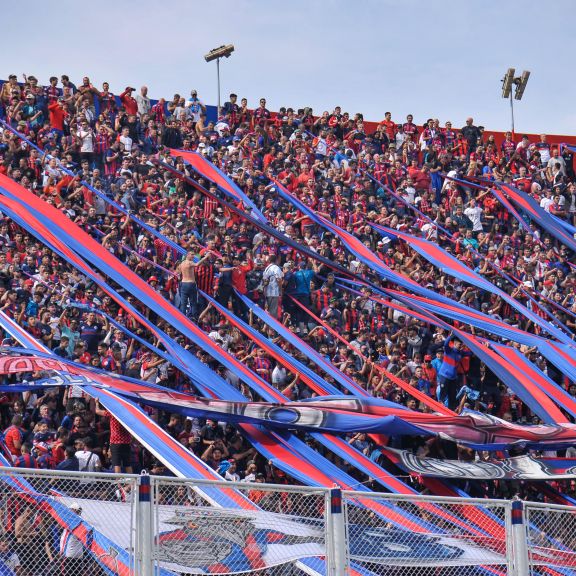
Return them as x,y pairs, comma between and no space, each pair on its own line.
303,279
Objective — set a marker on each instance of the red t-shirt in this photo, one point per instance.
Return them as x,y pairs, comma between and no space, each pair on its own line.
12,435
130,104
57,116
118,434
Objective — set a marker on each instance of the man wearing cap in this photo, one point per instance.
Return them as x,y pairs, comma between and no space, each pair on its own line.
129,102
71,548
31,112
195,106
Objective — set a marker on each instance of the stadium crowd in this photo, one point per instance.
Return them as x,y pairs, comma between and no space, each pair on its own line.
394,176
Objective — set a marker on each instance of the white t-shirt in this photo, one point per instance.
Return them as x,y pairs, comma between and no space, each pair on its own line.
143,104
430,231
558,160
272,280
475,215
10,560
410,194
195,107
546,203
88,461
544,155
181,114
279,376
87,140
70,546
127,141
223,340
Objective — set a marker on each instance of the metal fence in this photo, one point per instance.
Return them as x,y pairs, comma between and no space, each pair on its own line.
81,524
551,538
425,535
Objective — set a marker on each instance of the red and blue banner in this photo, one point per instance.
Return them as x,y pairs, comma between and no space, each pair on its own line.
455,268
528,206
215,175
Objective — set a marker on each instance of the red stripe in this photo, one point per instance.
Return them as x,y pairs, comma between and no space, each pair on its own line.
414,392
133,279
206,169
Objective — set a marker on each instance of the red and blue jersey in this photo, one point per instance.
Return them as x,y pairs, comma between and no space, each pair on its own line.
452,358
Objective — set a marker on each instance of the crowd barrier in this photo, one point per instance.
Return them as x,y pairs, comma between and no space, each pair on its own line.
87,524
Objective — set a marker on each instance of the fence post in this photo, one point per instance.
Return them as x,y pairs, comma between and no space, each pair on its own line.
145,533
336,547
519,539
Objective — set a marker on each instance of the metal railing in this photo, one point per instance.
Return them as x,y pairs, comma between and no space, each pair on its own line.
84,524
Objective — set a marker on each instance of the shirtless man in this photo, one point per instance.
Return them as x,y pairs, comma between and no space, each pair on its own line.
188,288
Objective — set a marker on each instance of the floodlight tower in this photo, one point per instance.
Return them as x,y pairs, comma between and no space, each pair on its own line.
216,54
519,83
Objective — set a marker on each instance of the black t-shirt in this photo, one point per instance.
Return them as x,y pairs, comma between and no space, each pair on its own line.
210,434
91,334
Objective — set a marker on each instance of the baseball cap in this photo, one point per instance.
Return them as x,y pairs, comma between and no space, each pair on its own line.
44,448
75,507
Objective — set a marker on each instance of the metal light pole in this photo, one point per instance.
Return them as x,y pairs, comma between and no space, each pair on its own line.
519,84
216,54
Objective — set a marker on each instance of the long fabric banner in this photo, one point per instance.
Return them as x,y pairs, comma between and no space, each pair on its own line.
292,416
477,430
532,209
215,175
293,442
455,268
515,468
297,460
365,255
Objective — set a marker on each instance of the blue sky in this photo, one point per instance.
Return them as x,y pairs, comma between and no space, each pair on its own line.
440,58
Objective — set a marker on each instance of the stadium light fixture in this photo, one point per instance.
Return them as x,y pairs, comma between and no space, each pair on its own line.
507,83
521,84
216,54
518,83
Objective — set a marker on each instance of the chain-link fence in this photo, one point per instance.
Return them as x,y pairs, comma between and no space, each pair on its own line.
424,536
551,532
207,527
69,524
82,524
